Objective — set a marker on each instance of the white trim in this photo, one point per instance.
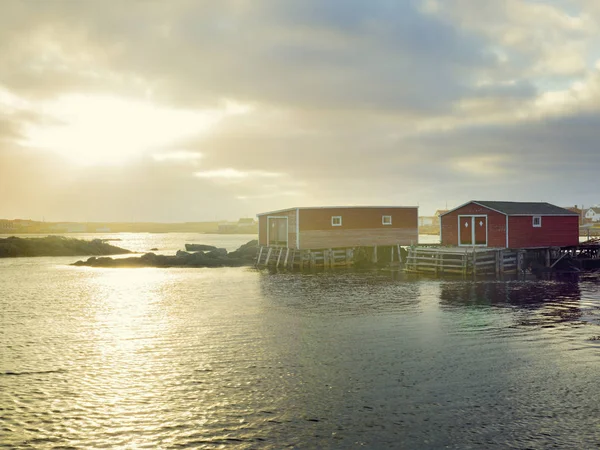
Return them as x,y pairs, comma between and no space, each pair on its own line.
297,228
501,212
544,215
473,216
383,222
287,228
337,207
468,203
336,224
539,225
506,231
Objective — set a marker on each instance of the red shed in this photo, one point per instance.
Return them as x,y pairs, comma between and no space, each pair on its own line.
339,227
509,225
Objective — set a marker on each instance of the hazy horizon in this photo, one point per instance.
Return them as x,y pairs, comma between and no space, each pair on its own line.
189,111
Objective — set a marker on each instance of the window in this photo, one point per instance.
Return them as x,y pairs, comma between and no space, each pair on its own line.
336,221
537,221
386,220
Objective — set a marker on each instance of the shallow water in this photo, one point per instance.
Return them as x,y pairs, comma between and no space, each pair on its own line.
212,358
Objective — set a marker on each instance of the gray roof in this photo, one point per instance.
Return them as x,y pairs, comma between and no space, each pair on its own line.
527,208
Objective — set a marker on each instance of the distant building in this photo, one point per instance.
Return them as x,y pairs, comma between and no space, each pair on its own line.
575,209
15,225
338,227
246,222
427,221
438,214
242,226
7,225
509,225
593,214
68,227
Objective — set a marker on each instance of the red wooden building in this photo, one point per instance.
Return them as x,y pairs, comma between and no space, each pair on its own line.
509,225
338,227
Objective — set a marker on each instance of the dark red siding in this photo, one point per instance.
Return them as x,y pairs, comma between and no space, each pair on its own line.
361,226
555,231
357,218
496,223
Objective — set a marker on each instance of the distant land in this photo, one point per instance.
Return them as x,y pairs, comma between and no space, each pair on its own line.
20,226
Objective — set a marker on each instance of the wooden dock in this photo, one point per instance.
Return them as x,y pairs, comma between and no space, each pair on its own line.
498,261
463,260
289,258
438,260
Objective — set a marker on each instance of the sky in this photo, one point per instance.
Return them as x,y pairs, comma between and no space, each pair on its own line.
187,110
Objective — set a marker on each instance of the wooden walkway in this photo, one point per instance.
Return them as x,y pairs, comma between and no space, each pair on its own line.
463,260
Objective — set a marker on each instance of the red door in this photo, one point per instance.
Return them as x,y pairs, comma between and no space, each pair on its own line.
480,227
465,230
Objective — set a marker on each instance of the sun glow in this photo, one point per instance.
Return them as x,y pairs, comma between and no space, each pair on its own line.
94,130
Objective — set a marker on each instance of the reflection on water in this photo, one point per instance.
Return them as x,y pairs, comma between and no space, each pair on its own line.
184,358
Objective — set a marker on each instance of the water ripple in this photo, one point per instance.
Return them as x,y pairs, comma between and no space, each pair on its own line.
245,359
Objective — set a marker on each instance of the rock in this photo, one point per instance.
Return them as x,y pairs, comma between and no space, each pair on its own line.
246,252
182,254
56,246
199,247
217,257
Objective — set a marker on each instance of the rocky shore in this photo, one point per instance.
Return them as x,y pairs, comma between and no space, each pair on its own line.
55,246
209,257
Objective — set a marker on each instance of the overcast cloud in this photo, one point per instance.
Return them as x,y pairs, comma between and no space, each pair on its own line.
190,111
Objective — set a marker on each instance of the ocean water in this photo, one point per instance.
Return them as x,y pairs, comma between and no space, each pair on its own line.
240,358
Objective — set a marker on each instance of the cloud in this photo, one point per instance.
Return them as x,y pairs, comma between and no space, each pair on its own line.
178,156
312,102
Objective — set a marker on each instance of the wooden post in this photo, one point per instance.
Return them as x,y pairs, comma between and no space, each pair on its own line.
474,262
519,261
547,257
259,255
375,254
268,256
287,254
313,260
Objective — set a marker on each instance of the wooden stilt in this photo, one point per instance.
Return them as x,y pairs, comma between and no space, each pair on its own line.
287,254
259,255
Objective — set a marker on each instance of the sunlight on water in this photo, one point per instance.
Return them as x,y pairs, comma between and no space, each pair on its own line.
209,358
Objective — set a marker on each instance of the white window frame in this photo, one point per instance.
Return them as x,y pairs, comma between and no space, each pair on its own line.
384,222
334,219
287,225
539,224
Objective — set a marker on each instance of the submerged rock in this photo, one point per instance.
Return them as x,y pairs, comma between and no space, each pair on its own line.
56,246
217,257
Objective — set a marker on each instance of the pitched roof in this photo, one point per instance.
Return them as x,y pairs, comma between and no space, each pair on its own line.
523,208
595,209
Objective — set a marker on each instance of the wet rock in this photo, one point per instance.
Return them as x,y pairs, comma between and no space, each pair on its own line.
217,257
56,246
